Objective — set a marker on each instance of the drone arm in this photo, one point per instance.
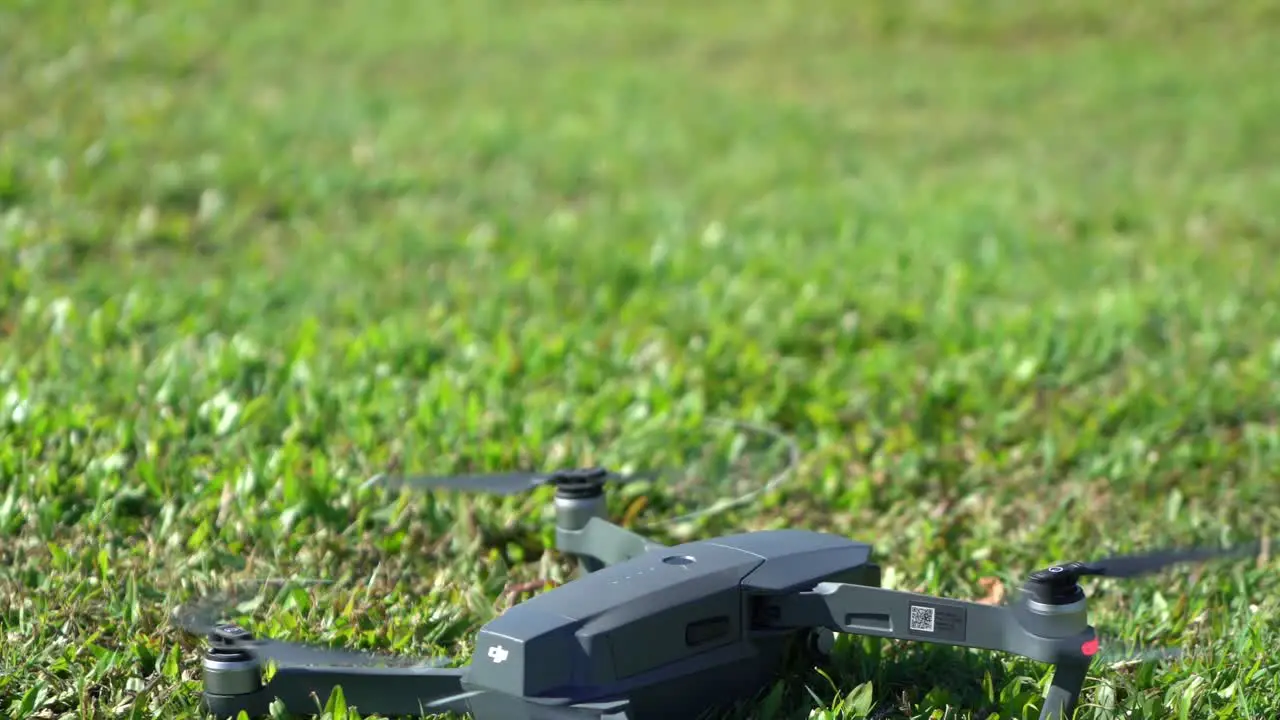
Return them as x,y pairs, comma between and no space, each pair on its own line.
1061,637
235,687
879,612
601,543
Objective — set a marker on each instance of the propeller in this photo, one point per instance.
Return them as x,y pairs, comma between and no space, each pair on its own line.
487,703
1117,653
229,638
586,482
514,482
201,619
1128,566
1059,583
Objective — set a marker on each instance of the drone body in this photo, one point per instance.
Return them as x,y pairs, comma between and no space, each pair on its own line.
652,631
670,633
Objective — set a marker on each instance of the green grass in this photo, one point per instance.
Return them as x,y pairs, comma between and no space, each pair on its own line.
1005,271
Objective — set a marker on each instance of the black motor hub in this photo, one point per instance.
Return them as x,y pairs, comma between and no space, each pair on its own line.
1057,585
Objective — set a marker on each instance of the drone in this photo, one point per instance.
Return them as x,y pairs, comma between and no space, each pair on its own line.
647,630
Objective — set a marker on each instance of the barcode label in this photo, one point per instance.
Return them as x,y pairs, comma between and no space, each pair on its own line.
922,618
938,622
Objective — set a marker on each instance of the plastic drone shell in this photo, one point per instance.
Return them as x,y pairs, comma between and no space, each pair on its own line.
639,623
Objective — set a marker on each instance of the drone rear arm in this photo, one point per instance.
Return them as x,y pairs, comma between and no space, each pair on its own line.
233,687
598,543
1056,635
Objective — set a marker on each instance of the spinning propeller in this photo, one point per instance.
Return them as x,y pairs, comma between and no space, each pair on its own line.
204,619
1059,585
774,453
1061,582
513,483
1129,566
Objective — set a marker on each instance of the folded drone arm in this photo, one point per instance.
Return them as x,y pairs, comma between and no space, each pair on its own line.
865,610
236,687
600,543
1062,638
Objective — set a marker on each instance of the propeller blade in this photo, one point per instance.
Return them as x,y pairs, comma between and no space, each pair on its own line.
501,705
1125,656
454,703
1059,583
291,654
205,618
1127,566
294,654
493,484
619,479
512,483
1115,652
206,614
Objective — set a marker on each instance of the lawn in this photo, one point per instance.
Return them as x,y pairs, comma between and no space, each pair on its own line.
1005,273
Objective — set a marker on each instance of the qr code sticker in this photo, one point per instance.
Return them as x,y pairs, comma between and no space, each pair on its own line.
922,618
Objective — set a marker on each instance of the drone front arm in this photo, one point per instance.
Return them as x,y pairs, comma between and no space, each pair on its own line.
599,543
235,687
1060,636
866,610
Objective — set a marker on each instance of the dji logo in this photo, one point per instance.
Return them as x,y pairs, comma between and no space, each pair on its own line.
498,654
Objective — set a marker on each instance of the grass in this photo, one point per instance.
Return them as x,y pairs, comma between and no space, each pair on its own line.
1004,271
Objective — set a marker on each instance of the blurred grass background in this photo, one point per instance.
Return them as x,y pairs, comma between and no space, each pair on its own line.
1004,271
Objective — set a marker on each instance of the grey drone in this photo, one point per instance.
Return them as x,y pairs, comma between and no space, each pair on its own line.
648,630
